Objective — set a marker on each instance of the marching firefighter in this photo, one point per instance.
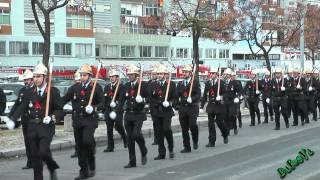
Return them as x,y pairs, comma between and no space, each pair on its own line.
44,104
297,87
162,97
151,83
77,79
135,93
86,97
113,110
279,87
188,94
241,98
310,93
252,90
232,93
289,91
28,83
266,97
213,92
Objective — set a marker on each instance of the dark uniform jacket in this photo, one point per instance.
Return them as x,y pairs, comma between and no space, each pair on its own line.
297,94
266,87
80,95
276,92
134,111
109,92
157,96
231,90
182,94
311,82
250,90
210,94
35,105
25,115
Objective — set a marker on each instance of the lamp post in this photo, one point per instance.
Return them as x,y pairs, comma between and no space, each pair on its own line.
302,34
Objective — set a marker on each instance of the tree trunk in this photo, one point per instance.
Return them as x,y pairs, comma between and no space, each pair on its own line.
266,57
46,38
195,42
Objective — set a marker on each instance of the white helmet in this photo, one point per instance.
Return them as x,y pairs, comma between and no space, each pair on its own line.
113,72
214,70
187,68
133,69
227,71
27,74
77,76
278,70
162,69
40,69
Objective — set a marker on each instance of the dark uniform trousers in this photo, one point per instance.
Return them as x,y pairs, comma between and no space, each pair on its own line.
116,123
188,112
231,116
254,109
280,102
216,118
299,107
27,143
38,134
188,121
267,108
84,124
162,115
133,118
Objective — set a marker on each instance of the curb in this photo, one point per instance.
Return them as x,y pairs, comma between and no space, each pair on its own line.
60,145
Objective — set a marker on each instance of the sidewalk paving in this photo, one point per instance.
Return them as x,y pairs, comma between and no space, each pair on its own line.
12,143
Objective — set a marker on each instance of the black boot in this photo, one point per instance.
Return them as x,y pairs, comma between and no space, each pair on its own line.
185,150
53,175
225,140
159,157
210,145
171,155
109,149
130,165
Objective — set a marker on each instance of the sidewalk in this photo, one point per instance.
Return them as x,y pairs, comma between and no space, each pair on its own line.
12,143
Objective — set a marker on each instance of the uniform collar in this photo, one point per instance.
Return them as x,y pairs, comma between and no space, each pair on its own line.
42,89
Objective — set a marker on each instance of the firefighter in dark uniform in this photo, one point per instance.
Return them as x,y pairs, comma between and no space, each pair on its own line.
188,108
135,114
216,109
239,94
85,120
279,97
3,101
266,97
289,92
151,83
113,110
253,93
317,93
310,93
77,80
232,91
40,128
28,82
162,111
297,90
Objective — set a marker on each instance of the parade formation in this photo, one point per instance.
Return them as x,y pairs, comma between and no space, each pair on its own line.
291,93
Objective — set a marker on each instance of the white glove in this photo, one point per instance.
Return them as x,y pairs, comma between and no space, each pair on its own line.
9,123
298,87
113,115
113,104
241,97
257,92
174,111
189,100
46,120
100,116
283,88
139,99
268,100
165,104
218,98
310,88
201,111
236,100
89,109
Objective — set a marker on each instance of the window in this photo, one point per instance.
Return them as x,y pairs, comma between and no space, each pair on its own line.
145,51
98,50
211,53
19,48
112,51
37,48
4,17
76,21
127,51
249,57
2,47
62,49
224,53
182,52
161,51
238,56
83,50
274,56
151,10
123,11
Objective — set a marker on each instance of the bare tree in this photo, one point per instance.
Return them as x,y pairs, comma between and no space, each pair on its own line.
45,8
203,19
261,33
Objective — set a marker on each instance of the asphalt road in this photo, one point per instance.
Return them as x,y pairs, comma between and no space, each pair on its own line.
255,153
